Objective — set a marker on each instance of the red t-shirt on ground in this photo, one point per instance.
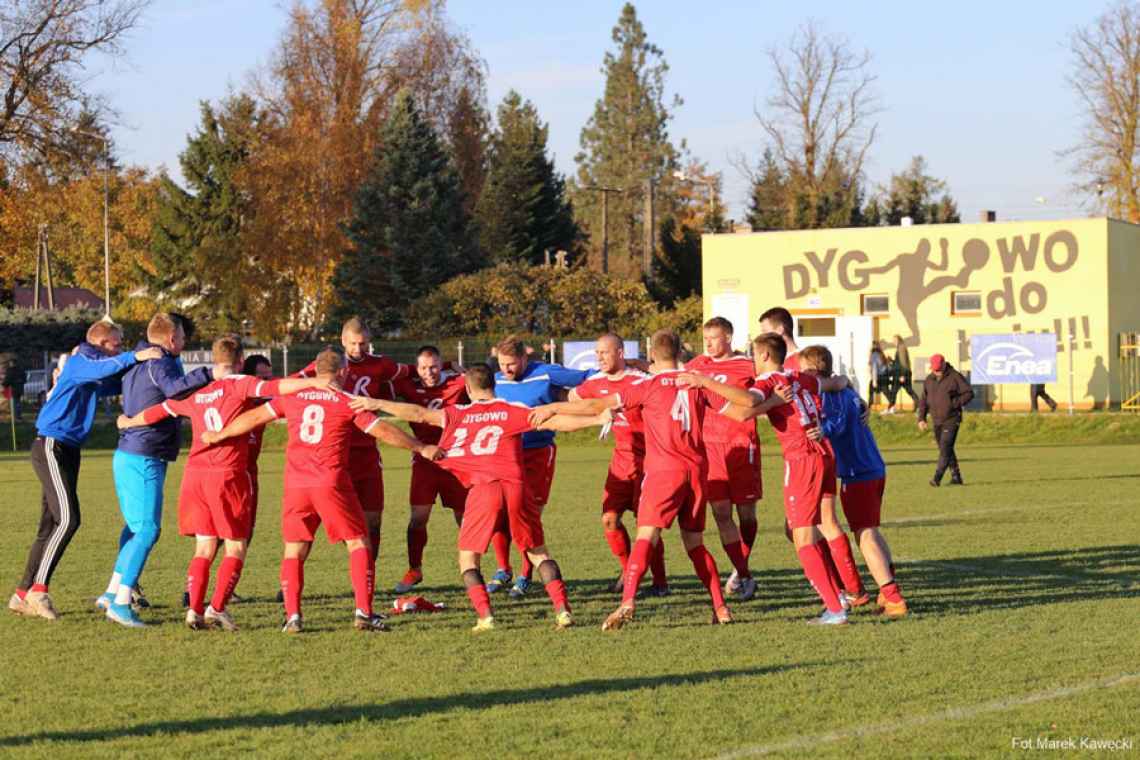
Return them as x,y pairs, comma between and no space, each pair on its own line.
321,424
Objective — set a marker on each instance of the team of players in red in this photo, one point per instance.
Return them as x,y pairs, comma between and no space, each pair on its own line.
684,437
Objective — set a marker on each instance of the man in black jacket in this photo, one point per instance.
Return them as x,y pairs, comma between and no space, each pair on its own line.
944,393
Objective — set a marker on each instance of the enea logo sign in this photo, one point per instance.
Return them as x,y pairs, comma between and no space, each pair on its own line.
579,354
998,359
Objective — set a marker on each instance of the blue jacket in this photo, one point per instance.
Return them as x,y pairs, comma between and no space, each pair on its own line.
152,383
537,386
857,456
70,408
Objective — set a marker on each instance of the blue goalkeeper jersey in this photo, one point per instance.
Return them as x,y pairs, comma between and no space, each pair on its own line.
539,385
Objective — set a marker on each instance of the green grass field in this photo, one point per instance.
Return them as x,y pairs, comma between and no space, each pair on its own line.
1024,587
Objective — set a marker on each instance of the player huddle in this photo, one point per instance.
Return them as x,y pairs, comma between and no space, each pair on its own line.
483,444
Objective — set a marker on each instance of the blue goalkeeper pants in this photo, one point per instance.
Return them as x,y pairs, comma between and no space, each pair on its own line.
139,481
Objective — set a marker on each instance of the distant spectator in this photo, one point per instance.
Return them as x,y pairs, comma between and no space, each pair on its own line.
15,376
1036,391
945,393
877,365
904,373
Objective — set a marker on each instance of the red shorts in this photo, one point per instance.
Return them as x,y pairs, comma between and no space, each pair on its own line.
486,503
430,481
734,472
538,469
862,501
621,493
367,475
216,503
807,479
305,509
674,495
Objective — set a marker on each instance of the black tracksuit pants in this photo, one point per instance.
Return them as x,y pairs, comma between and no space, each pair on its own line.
945,435
57,466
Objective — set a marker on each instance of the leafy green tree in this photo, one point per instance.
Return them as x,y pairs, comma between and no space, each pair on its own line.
625,144
409,231
523,211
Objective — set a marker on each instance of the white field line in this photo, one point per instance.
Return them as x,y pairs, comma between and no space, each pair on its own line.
811,741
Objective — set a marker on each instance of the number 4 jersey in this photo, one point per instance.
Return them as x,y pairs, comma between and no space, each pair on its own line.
483,440
321,424
673,417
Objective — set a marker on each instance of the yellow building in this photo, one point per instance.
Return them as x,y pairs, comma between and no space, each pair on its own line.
936,285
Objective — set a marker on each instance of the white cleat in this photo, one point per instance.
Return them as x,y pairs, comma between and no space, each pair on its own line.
194,621
830,618
219,619
732,584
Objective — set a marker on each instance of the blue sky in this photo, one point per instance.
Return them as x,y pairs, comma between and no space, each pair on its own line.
979,88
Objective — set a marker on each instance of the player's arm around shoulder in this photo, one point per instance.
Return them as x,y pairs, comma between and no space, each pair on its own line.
393,436
583,407
148,416
242,424
400,410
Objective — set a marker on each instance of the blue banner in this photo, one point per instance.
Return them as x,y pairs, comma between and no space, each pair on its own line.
1018,358
579,354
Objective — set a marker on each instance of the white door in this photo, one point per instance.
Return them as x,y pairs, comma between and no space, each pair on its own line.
849,343
734,308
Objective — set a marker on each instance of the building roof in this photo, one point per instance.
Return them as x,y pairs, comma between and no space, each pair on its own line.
64,298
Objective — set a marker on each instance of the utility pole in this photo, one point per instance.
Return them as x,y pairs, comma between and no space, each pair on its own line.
650,229
605,191
43,265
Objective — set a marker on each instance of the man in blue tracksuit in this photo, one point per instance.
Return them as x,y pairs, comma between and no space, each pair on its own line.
532,383
863,473
140,461
64,423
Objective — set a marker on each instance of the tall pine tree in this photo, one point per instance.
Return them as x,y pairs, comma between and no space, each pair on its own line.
523,211
468,138
199,264
409,231
625,144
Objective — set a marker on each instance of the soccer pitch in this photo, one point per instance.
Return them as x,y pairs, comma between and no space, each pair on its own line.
1024,588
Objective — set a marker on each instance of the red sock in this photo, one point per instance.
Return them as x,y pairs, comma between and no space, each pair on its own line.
748,530
363,574
22,593
373,545
634,569
705,566
480,600
196,579
832,570
526,567
840,549
501,542
39,588
292,582
228,574
891,592
738,558
815,568
556,590
619,544
657,564
417,540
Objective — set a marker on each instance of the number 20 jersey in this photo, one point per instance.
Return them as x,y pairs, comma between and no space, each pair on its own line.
321,424
483,440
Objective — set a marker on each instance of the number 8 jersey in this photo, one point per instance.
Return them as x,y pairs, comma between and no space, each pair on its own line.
483,440
321,424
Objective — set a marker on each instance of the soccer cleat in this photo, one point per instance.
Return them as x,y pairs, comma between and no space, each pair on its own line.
563,620
104,600
722,616
19,606
219,619
499,580
618,618
830,618
655,591
411,579
138,598
194,621
40,604
893,610
280,598
856,601
957,481
520,587
483,624
293,624
934,483
363,622
124,615
747,589
733,583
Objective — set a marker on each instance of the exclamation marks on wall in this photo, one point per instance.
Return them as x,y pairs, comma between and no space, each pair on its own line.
1059,334
1088,337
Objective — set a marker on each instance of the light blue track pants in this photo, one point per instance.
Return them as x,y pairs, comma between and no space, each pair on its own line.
138,482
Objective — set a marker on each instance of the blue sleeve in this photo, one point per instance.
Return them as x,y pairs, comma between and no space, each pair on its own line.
567,378
84,370
836,413
167,376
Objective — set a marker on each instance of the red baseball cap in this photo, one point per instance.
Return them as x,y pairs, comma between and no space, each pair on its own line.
937,361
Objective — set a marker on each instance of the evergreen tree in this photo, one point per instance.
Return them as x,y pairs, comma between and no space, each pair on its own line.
523,211
625,144
409,232
677,265
768,203
873,213
468,135
912,193
199,265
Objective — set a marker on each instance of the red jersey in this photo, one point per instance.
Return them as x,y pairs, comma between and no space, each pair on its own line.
451,390
792,362
320,426
483,440
628,427
737,371
792,420
211,408
673,418
372,375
